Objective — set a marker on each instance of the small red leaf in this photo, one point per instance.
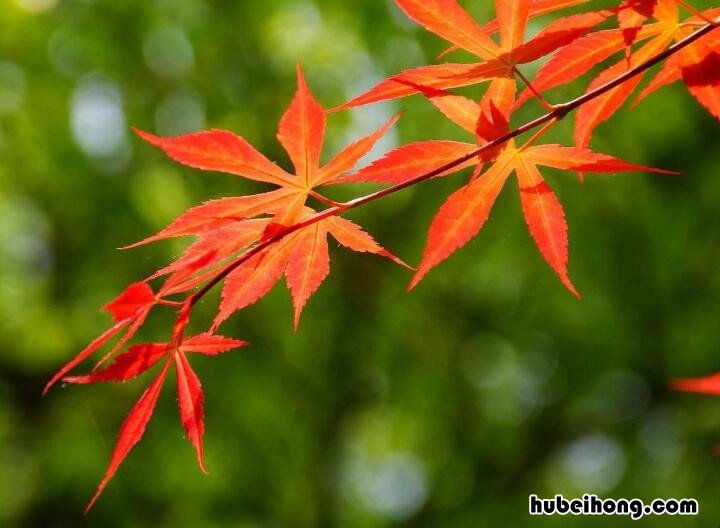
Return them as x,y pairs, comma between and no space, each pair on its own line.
137,297
492,122
273,230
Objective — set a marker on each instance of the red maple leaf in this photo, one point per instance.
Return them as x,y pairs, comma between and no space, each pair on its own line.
466,211
696,65
301,133
448,20
137,360
129,311
228,226
251,242
631,15
225,229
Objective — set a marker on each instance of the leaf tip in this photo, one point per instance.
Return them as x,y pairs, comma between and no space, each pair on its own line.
570,286
47,387
338,108
679,384
393,120
130,246
219,319
301,82
201,461
416,280
397,260
147,136
708,385
95,497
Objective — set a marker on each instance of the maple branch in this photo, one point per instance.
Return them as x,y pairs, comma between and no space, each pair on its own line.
559,112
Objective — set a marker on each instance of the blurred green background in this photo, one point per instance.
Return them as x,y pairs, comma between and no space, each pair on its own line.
444,407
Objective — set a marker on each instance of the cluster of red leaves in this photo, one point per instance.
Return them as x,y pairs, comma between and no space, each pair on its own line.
253,241
225,229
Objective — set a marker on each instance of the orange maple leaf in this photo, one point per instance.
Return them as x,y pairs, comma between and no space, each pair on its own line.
228,226
464,214
696,65
448,20
139,359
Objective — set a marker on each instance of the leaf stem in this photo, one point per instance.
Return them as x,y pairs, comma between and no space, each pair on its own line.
530,87
319,197
165,302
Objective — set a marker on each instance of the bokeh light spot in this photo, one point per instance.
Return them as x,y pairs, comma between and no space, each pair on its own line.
97,117
594,464
168,52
